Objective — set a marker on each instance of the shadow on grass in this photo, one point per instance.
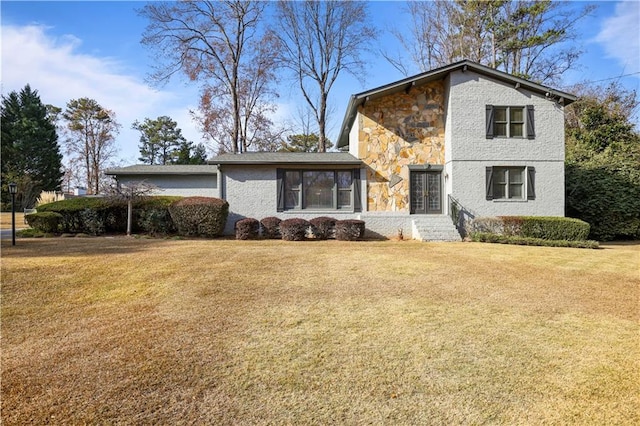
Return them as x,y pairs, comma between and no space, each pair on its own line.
90,246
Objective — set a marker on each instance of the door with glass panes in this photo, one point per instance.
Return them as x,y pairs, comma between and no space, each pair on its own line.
426,192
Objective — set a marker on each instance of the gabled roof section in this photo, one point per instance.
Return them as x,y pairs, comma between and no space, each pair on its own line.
168,169
438,74
287,158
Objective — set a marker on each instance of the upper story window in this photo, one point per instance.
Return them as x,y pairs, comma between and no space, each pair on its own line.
510,122
319,189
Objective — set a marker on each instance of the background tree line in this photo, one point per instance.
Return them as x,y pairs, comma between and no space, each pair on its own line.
238,51
32,153
602,171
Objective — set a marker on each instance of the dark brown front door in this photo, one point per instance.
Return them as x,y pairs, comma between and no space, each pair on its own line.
426,192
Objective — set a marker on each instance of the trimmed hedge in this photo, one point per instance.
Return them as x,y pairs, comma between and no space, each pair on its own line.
485,237
200,216
294,229
97,215
48,222
74,215
247,229
349,230
151,215
542,227
323,227
271,227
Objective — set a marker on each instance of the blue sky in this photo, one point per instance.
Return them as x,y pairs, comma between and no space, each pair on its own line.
68,50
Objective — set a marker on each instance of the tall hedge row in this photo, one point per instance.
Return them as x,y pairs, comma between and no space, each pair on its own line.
97,216
74,217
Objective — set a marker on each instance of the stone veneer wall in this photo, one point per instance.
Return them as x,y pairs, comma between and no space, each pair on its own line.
397,131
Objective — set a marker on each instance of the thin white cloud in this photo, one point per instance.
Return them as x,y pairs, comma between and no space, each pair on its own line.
55,68
620,37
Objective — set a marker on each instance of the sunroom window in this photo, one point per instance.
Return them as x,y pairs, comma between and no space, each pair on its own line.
318,189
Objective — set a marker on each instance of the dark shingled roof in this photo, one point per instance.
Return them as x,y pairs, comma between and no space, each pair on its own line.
169,169
306,158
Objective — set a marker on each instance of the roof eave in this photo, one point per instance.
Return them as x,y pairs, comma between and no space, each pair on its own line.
125,172
289,163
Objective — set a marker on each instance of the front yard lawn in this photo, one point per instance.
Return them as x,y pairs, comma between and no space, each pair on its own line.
136,331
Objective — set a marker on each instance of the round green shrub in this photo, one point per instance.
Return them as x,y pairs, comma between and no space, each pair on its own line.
48,222
199,216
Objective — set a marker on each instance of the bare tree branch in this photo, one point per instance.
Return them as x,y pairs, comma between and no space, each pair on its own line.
318,41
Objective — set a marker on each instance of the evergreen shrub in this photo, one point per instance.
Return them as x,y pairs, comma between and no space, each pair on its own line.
200,216
543,227
93,221
271,227
96,215
294,229
349,230
485,237
323,227
247,229
151,215
73,212
48,222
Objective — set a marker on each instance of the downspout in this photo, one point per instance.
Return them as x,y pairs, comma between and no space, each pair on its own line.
220,184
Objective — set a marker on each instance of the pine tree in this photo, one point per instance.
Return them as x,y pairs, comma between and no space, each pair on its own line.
30,151
159,140
188,153
92,131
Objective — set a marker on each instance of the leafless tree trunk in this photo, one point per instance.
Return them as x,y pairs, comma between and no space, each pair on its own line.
91,137
319,40
217,43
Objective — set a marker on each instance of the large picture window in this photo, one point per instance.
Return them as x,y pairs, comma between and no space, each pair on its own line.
510,122
510,183
318,189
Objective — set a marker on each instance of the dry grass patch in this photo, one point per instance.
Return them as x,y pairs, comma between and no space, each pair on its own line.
117,330
5,220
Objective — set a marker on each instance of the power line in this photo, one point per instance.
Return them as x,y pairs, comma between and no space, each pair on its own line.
611,78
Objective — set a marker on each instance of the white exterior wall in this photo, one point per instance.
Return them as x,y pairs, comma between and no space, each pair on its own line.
251,191
469,152
178,185
353,137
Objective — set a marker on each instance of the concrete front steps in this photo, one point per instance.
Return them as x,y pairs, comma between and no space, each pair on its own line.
434,228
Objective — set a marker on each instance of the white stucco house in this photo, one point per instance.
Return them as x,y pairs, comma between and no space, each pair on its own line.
461,138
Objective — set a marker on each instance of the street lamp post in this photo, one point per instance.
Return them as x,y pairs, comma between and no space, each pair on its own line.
13,189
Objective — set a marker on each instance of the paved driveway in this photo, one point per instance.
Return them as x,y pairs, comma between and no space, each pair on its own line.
5,234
